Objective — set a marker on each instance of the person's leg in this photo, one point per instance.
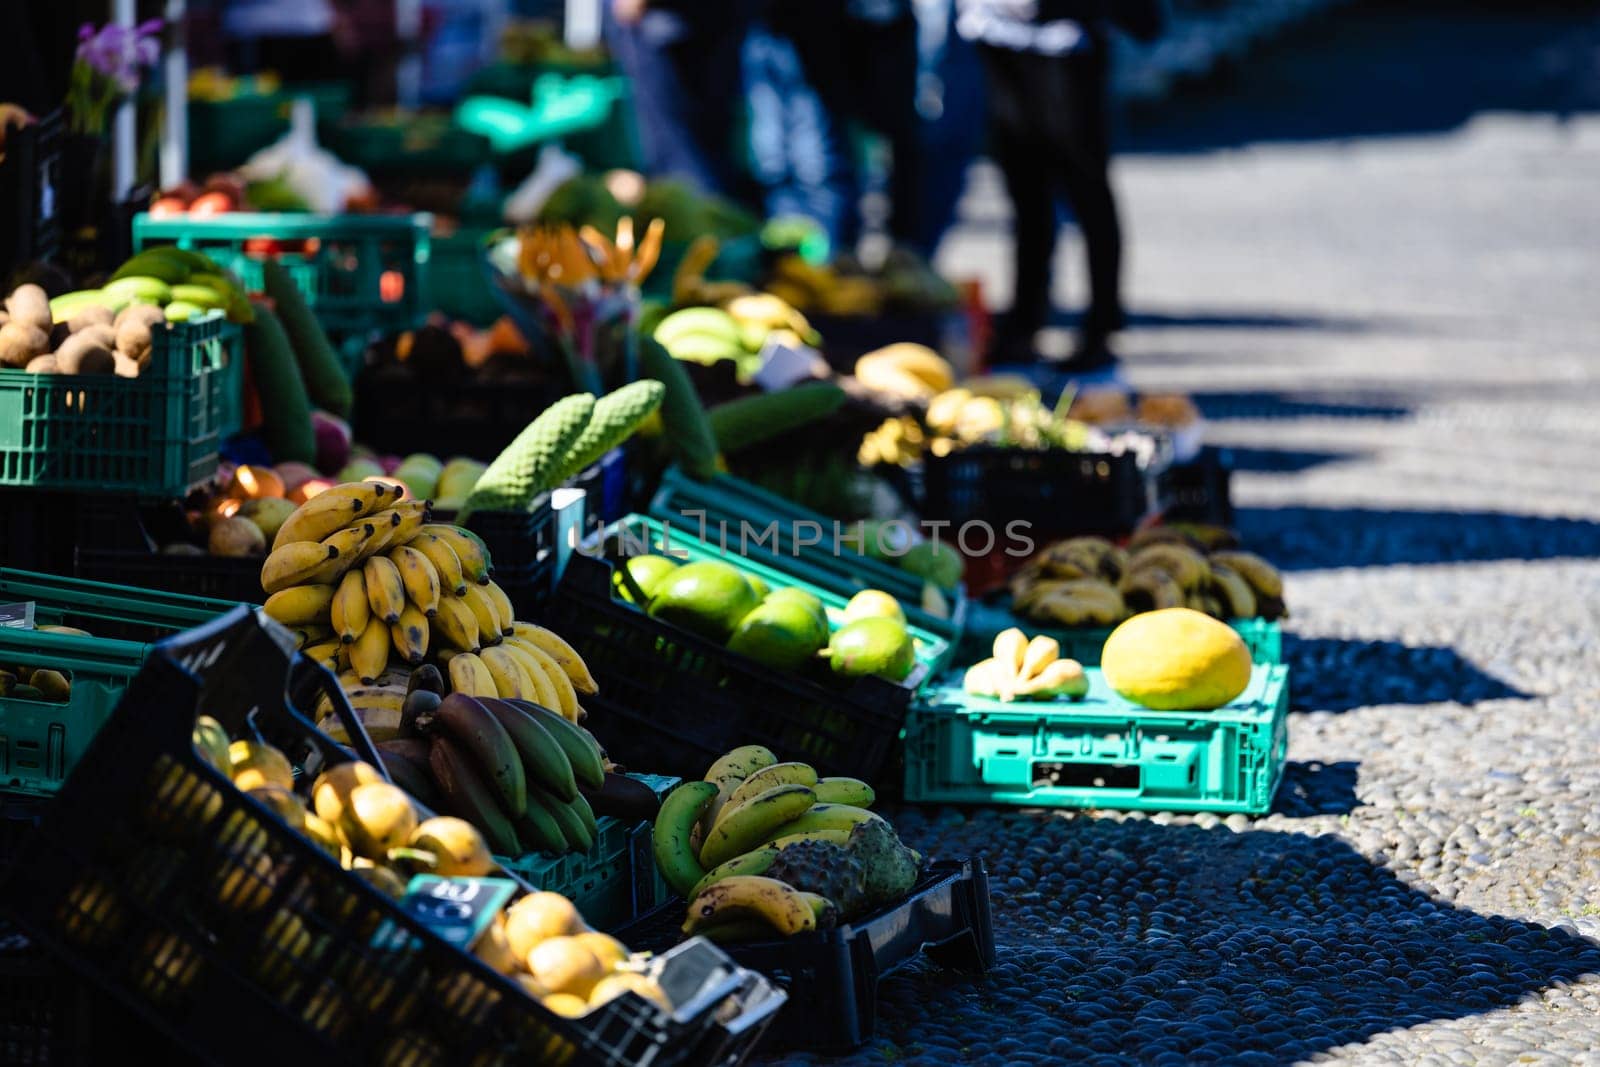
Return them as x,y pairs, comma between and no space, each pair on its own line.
1019,153
816,31
1083,159
882,60
708,67
651,55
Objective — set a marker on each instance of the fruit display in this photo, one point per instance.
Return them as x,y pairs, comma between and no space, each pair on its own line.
788,628
1176,659
374,592
1088,581
111,330
224,193
726,321
21,681
382,834
763,849
1024,669
904,283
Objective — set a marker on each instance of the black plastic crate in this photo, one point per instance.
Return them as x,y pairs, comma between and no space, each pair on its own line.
522,550
127,875
673,701
832,976
846,338
30,192
1057,493
477,416
118,545
1199,491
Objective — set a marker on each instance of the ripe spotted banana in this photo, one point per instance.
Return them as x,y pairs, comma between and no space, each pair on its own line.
351,609
419,577
293,563
396,526
544,691
821,817
332,509
755,821
410,635
369,654
456,625
767,777
444,560
510,680
468,548
300,605
483,610
347,543
832,837
386,594
1262,576
566,697
324,652
671,839
469,675
759,861
776,903
557,648
502,607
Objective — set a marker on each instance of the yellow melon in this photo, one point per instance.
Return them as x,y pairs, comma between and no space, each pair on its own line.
1176,659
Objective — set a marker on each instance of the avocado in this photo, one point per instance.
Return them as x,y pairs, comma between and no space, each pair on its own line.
708,598
646,572
761,587
873,604
873,646
936,562
784,635
809,601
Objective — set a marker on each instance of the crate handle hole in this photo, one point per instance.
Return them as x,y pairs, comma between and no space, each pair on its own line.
1089,775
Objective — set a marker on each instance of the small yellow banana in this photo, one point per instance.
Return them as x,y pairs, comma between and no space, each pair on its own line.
502,607
767,777
467,547
418,575
369,655
333,509
386,593
469,675
1041,652
351,609
544,691
444,560
300,605
744,896
566,695
293,563
324,652
483,609
557,648
410,635
456,625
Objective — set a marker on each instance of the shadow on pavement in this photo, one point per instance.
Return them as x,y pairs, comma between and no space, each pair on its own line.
1311,538
1316,788
1133,943
1284,460
1335,674
1280,405
1386,69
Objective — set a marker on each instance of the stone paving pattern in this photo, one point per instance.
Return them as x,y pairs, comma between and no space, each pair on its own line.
1373,259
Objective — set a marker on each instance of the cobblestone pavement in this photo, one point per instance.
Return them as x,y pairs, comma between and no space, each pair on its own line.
1386,303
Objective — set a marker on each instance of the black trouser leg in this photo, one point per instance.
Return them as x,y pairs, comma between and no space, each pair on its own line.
883,59
1083,161
1022,155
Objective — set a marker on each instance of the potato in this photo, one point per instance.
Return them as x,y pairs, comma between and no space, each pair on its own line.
83,354
20,342
45,364
101,334
127,367
147,313
134,340
29,305
98,315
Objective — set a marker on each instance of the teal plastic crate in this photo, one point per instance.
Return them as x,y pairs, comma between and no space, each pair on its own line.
156,435
613,883
361,274
41,741
460,283
1101,752
635,533
725,503
983,621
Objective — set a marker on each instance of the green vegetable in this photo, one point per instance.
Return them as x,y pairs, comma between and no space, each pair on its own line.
285,408
326,383
683,418
529,463
616,416
750,420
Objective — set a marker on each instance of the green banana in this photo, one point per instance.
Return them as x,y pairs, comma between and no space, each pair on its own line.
767,777
575,819
851,791
547,764
670,840
821,817
758,862
579,745
538,830
468,796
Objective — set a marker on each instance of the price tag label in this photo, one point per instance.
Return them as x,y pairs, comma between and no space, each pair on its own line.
783,365
457,909
17,616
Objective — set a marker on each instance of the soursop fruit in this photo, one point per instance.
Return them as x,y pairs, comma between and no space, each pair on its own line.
827,870
890,867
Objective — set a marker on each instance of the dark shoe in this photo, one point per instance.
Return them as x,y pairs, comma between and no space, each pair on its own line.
1089,356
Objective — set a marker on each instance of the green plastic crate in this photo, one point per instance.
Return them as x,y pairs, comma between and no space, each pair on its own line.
614,882
427,146
1263,636
725,502
155,435
634,532
460,283
41,741
343,279
1101,752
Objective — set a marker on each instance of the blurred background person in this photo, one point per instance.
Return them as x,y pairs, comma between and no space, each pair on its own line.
683,59
1048,69
295,38
814,69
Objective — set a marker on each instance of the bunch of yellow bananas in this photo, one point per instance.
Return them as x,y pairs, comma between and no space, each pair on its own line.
1031,669
761,849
